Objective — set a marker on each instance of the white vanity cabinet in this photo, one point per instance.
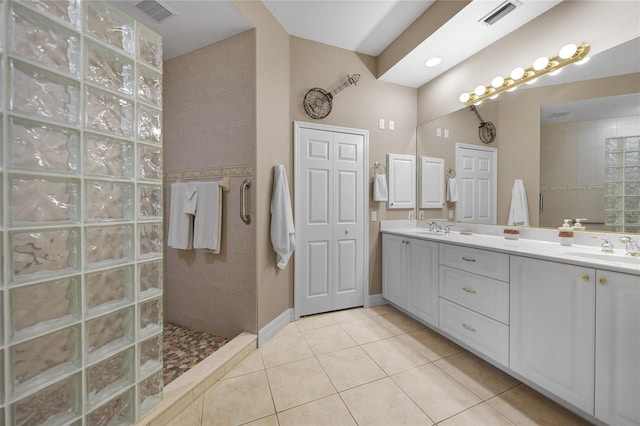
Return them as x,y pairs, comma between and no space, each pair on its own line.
552,323
474,299
617,348
410,275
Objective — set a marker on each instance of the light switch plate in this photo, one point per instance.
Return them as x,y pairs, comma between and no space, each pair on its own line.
392,125
446,133
381,123
450,214
439,132
374,215
421,215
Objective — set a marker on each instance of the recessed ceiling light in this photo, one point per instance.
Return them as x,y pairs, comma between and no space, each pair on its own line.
433,62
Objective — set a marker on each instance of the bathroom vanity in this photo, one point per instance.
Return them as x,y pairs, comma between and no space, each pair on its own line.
564,320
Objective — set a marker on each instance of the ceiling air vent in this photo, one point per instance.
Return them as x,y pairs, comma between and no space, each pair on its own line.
156,10
499,12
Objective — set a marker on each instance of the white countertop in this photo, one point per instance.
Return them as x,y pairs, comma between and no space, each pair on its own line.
576,254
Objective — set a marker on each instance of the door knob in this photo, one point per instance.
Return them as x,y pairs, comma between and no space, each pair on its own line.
346,231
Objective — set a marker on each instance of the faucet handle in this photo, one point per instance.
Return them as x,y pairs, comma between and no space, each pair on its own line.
632,246
607,246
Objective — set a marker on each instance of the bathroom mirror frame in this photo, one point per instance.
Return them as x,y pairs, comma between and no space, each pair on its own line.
597,81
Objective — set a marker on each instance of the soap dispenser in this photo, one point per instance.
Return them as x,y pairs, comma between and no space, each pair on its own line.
577,226
565,233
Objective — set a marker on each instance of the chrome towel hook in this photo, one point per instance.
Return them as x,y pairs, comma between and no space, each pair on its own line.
246,217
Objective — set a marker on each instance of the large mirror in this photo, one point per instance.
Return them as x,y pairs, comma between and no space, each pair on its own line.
564,138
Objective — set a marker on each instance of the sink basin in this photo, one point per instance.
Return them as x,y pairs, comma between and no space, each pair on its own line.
605,257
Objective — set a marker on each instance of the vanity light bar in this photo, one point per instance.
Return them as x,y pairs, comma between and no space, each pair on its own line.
569,54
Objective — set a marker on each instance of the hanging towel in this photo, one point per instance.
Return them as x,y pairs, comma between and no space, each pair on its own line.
380,191
190,197
207,225
519,211
180,224
452,190
283,232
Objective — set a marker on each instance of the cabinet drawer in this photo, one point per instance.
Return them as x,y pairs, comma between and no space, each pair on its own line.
488,263
481,294
487,336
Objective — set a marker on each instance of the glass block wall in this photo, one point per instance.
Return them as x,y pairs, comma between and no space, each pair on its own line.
81,225
622,182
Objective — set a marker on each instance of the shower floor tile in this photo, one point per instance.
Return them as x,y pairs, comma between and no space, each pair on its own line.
184,347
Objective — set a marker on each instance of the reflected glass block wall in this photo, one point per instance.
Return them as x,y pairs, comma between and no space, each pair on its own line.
81,181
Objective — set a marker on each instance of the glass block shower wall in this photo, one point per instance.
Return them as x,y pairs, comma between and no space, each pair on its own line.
81,291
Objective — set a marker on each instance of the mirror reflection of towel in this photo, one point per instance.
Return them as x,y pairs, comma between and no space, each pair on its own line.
519,211
452,190
380,191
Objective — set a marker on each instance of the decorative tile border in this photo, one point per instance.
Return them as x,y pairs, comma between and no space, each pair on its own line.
216,172
573,188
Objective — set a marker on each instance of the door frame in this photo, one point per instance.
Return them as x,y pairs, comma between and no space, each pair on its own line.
297,125
494,173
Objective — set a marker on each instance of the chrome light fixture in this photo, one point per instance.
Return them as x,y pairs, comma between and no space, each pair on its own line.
569,54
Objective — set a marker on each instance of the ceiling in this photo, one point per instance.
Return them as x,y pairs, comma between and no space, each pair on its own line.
364,26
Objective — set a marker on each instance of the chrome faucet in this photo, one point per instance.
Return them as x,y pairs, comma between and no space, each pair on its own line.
607,246
632,246
435,227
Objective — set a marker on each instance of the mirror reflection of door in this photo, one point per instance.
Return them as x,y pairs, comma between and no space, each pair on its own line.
477,175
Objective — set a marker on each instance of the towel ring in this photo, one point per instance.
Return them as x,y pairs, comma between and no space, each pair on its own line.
377,165
451,172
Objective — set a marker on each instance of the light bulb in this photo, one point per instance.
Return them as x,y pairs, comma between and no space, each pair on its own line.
494,96
517,73
464,97
497,82
480,90
583,61
532,81
540,63
556,72
568,51
433,62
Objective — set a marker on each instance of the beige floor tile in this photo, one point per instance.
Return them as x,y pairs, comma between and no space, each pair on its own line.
365,331
435,392
383,403
283,349
430,344
291,328
265,421
328,339
251,364
393,355
315,321
399,323
191,416
349,368
297,383
478,376
381,310
349,315
524,406
238,400
326,411
479,415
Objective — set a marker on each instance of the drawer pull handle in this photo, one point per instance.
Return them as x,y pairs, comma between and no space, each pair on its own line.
468,327
585,278
602,281
468,259
469,290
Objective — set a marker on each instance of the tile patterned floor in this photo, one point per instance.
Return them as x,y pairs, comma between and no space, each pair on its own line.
368,367
184,347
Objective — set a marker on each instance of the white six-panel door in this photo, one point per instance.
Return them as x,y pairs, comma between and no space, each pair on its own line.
330,194
476,172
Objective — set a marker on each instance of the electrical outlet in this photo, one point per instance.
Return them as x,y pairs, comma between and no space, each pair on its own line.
374,215
421,215
392,125
450,214
446,133
381,123
439,132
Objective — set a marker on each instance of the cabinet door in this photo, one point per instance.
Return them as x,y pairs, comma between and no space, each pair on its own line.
394,287
552,339
422,280
402,181
618,348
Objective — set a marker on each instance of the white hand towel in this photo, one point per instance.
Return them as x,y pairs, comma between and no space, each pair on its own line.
519,211
452,190
190,197
180,224
283,232
380,190
207,226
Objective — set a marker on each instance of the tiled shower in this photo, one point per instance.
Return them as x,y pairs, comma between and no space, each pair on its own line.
81,229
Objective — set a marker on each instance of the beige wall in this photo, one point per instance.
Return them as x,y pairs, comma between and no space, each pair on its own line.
273,146
209,127
319,65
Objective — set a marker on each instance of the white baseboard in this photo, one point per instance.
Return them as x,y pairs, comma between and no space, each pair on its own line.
277,324
375,300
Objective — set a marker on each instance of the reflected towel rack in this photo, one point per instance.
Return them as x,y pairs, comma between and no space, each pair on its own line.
377,165
224,182
451,173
